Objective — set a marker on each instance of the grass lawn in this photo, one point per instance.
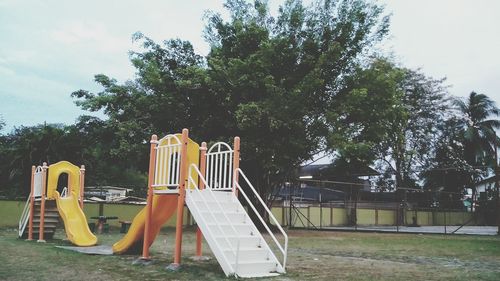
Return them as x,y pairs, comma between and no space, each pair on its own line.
313,255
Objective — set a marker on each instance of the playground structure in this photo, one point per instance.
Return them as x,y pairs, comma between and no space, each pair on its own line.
180,173
45,205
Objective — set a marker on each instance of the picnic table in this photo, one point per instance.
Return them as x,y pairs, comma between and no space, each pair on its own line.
101,220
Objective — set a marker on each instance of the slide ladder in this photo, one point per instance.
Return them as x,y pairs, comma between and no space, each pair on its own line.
50,214
51,219
212,198
46,206
232,236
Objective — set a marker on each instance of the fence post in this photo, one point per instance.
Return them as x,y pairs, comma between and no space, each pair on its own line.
356,211
444,211
308,216
320,211
290,207
331,215
397,216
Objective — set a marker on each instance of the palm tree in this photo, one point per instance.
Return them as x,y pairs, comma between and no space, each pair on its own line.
478,129
2,123
479,136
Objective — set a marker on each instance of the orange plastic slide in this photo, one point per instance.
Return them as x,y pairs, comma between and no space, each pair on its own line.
164,206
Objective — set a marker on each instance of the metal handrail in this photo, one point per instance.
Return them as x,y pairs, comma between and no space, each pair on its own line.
24,219
209,190
284,249
24,216
64,192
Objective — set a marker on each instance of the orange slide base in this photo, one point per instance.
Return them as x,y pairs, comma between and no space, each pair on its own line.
164,206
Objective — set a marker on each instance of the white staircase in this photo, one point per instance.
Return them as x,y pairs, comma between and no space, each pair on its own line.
235,241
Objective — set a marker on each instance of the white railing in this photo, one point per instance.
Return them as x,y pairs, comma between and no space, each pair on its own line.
64,192
168,163
284,248
220,166
37,189
23,221
193,183
38,181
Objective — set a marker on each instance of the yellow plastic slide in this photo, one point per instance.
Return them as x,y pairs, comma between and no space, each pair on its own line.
75,222
164,207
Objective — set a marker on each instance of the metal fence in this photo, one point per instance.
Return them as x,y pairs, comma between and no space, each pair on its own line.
348,207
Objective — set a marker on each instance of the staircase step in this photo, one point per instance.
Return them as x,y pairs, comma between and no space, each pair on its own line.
220,196
47,208
225,229
247,254
231,241
223,195
48,203
46,224
47,211
47,234
219,206
255,269
45,230
47,219
228,229
235,217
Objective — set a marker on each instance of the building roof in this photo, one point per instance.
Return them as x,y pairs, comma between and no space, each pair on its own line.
108,187
333,172
311,193
491,179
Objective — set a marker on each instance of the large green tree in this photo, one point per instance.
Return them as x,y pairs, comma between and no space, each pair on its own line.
412,138
448,169
388,116
267,79
24,147
360,117
88,142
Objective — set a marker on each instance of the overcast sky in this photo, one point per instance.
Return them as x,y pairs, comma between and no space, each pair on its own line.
49,49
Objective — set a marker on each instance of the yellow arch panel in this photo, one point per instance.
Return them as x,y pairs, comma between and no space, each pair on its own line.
55,170
75,222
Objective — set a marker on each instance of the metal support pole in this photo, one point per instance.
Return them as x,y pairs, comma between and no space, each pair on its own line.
201,183
149,204
181,199
82,185
236,163
32,204
42,203
444,212
497,175
290,207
